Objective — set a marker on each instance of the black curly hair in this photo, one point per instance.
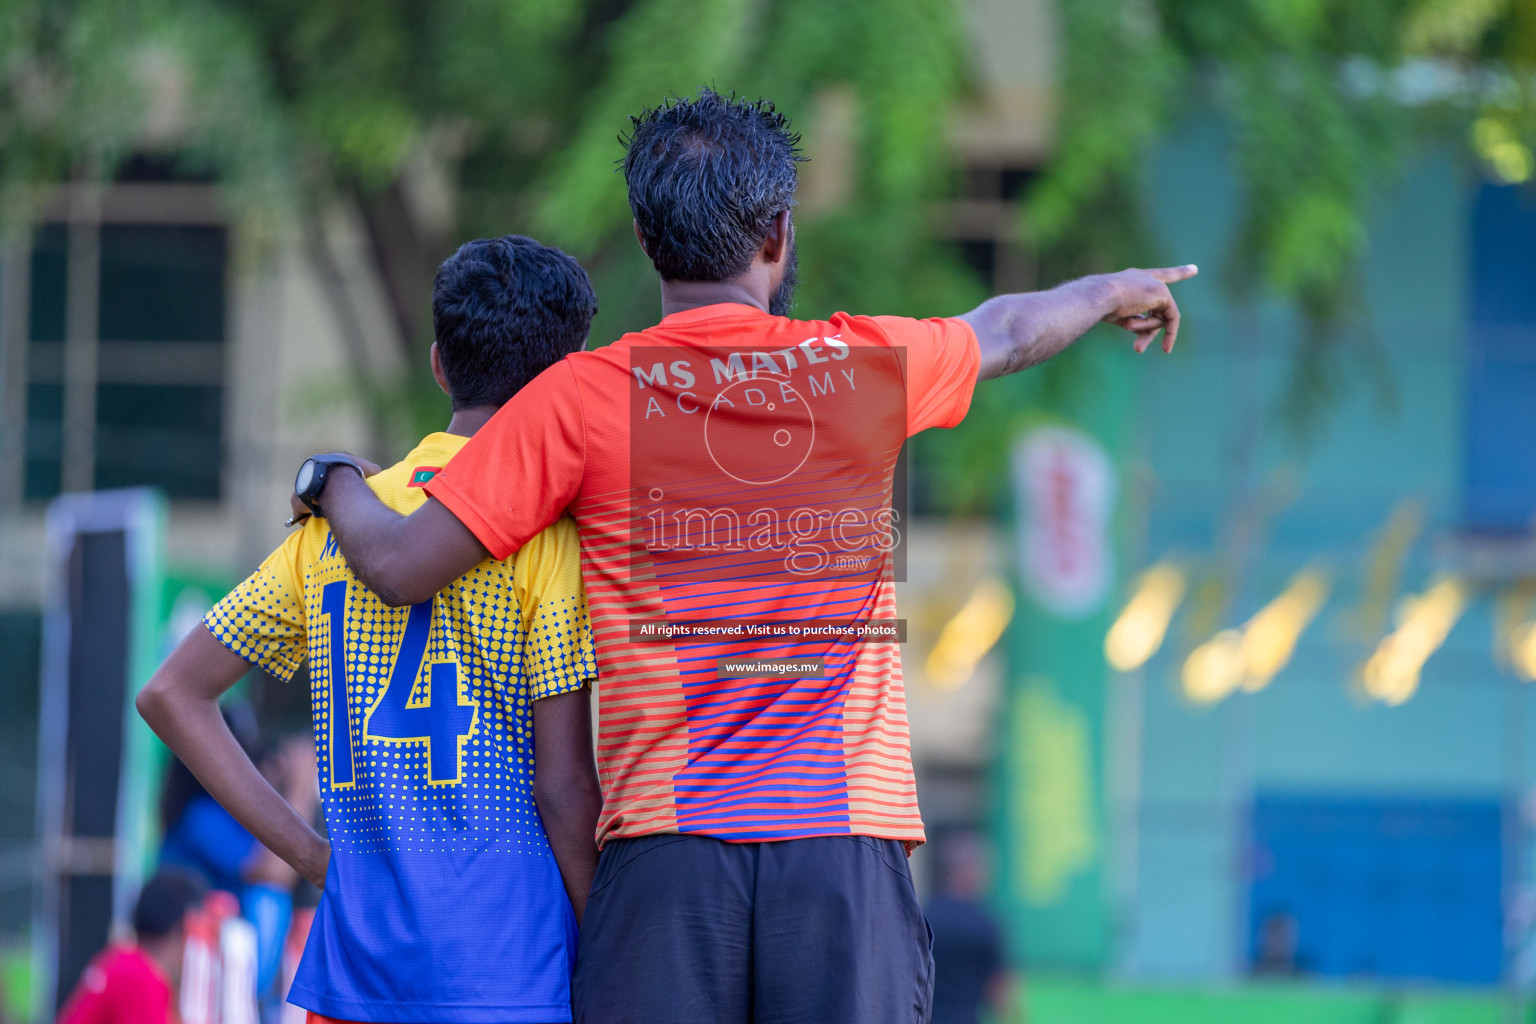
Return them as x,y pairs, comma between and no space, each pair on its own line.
706,177
164,901
503,311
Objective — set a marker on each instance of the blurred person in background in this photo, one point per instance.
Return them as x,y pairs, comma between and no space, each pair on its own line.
199,835
1278,952
137,983
970,969
204,838
271,882
454,737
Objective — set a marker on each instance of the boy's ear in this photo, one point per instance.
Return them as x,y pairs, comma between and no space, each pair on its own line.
437,371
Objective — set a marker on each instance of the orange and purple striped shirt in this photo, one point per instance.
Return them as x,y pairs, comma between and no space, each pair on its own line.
731,475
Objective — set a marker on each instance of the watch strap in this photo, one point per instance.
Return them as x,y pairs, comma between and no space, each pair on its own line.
323,466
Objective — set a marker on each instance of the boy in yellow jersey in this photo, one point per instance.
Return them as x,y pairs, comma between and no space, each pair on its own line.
453,736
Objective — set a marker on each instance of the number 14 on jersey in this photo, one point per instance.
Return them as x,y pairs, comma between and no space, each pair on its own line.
443,721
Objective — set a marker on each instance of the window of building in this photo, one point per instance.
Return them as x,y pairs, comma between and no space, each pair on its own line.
1384,888
983,222
153,362
1500,479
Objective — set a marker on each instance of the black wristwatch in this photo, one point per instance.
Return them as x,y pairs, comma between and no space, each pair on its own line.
312,475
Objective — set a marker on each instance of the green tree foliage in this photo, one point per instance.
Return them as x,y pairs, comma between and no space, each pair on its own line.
84,85
1320,97
517,104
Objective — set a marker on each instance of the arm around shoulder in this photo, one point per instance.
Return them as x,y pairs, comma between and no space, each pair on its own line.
403,559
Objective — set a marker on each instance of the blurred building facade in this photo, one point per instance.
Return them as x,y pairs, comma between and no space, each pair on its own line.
146,342
1371,798
145,339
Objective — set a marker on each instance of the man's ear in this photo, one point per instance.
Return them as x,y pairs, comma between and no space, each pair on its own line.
776,246
639,237
437,371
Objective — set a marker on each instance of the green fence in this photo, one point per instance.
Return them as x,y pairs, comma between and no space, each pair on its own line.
1058,1001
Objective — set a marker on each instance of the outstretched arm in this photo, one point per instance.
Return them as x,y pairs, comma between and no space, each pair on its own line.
403,559
181,704
565,788
1020,331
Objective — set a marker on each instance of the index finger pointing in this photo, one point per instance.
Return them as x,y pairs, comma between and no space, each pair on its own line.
1170,274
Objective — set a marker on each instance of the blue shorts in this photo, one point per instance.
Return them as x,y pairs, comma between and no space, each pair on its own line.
802,931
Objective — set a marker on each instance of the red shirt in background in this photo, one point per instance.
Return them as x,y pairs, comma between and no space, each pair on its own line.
121,986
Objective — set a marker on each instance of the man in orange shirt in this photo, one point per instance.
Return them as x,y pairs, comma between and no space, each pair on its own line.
730,471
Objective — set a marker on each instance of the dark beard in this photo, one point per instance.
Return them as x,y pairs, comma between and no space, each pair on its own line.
784,296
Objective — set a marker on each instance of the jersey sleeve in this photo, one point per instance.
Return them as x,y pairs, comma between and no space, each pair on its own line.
262,619
520,471
557,636
943,361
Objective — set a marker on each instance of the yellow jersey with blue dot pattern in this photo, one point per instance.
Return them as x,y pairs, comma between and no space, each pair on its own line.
442,893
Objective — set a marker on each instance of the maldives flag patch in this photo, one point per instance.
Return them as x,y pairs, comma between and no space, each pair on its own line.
421,474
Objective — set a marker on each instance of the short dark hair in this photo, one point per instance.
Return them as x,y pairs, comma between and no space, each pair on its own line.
164,902
706,178
503,311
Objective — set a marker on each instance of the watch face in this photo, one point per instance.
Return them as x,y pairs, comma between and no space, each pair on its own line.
305,478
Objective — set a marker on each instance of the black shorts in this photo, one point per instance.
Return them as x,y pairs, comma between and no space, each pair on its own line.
691,930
